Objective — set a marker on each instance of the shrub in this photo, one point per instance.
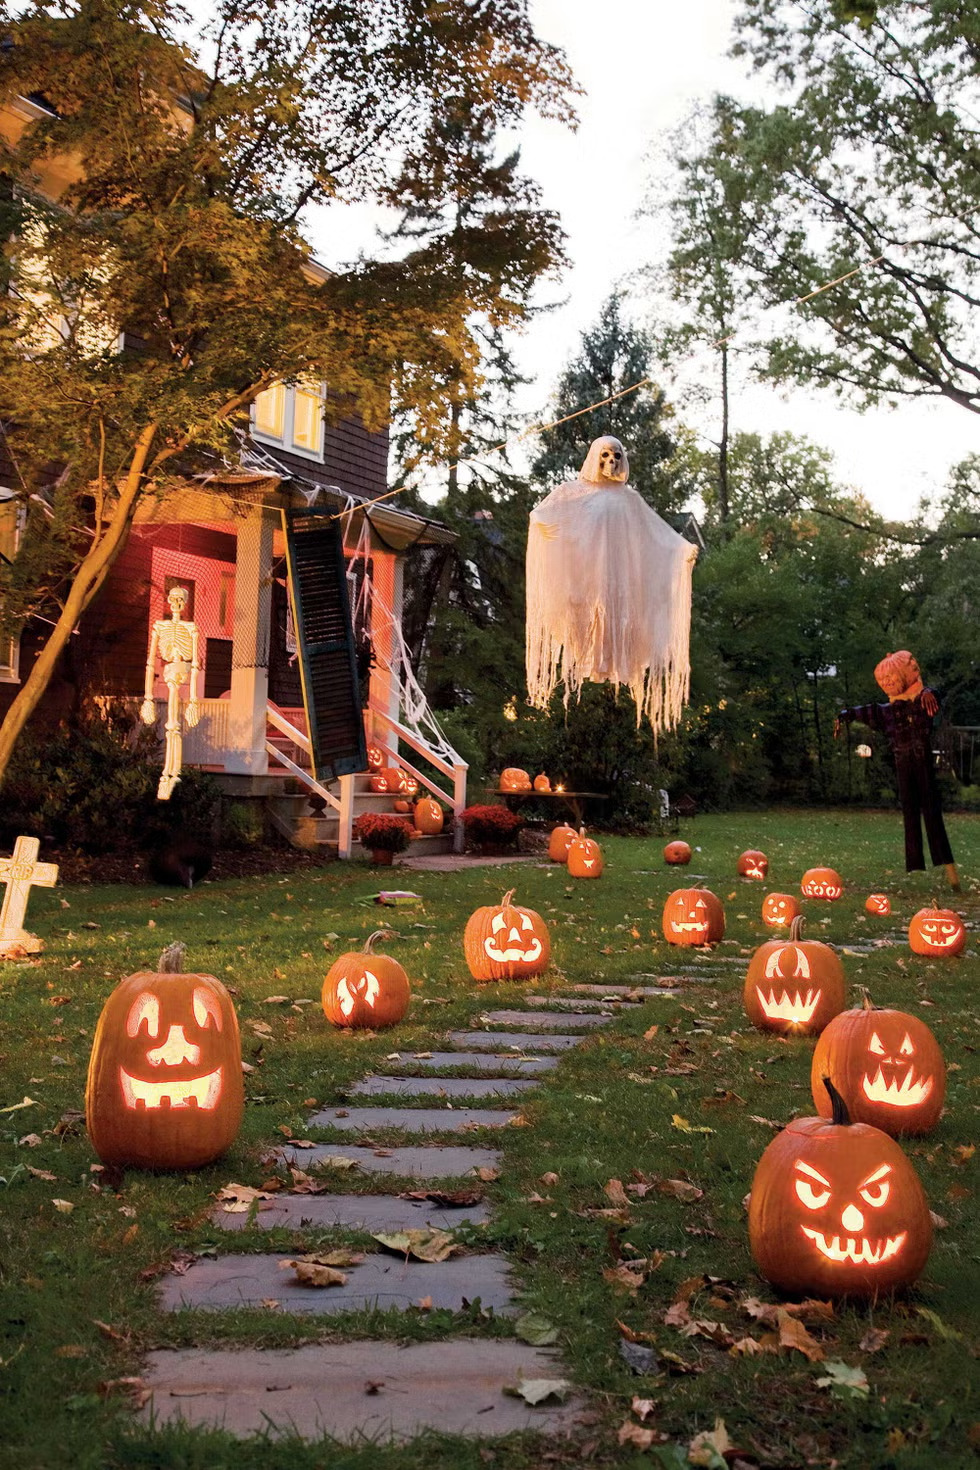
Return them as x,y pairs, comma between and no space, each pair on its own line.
381,832
242,825
492,824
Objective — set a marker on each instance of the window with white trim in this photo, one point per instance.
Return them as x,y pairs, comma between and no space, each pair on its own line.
290,416
10,525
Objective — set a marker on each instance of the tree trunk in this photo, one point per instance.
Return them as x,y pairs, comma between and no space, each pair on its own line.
86,582
723,500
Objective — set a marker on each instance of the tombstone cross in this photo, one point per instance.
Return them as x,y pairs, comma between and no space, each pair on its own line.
21,872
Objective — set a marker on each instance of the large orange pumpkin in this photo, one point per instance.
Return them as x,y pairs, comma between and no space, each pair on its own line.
585,858
429,816
888,1067
560,841
693,916
677,853
506,942
386,781
822,883
165,1084
937,932
365,989
793,986
838,1210
779,909
752,864
514,779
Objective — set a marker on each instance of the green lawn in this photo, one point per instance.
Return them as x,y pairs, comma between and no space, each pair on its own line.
607,1114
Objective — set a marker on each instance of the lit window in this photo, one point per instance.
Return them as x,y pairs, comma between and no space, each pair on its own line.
307,419
291,417
270,412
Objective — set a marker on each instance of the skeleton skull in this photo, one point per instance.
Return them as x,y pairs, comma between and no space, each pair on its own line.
606,462
178,598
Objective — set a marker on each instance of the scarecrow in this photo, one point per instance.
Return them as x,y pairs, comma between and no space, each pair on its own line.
907,721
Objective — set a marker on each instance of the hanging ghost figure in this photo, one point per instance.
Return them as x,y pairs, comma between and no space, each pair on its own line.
608,592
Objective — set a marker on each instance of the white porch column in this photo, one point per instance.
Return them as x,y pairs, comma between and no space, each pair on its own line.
250,647
385,693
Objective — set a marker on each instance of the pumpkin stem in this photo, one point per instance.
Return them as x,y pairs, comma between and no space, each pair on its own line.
867,1003
378,934
581,831
796,929
171,962
505,901
841,1116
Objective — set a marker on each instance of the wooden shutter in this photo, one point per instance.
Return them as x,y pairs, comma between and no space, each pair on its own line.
325,643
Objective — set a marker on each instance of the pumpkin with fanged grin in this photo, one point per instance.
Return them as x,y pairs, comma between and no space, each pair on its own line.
937,932
779,910
837,1210
888,1067
506,942
164,1084
693,916
794,986
822,883
752,864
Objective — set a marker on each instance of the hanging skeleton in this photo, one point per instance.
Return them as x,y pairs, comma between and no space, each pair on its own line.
177,644
608,592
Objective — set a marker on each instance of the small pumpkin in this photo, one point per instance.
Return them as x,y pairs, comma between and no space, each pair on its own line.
878,903
693,916
677,853
559,842
888,1067
794,986
365,989
838,1210
506,942
937,932
585,858
542,783
514,779
428,816
779,910
375,757
402,804
752,864
822,883
164,1087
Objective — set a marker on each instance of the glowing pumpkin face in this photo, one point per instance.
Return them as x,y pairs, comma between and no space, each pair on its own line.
693,916
822,883
837,1209
887,1064
364,989
385,781
584,857
560,841
514,779
677,854
779,910
428,816
753,864
506,942
794,987
878,903
165,1078
937,932
376,757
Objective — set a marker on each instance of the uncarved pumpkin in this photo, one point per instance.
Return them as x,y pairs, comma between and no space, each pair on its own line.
402,804
837,1210
164,1086
693,916
779,909
888,1067
794,987
585,858
822,883
560,841
365,989
752,864
542,783
939,933
677,853
506,942
429,816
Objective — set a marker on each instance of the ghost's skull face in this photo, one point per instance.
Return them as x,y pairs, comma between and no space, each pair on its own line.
850,1217
612,462
172,1059
779,910
512,938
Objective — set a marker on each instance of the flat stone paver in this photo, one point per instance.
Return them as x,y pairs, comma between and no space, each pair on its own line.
545,1020
353,1212
560,1003
381,1281
522,1040
445,1162
452,862
452,1387
477,1061
411,1120
645,990
440,1086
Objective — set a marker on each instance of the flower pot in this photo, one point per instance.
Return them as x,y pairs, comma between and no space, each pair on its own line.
382,857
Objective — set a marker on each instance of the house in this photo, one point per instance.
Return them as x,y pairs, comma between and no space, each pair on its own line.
294,577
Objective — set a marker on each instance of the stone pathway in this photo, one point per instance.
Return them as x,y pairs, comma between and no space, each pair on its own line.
365,1388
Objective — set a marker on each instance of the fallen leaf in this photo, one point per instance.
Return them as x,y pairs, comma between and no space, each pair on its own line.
238,1199
710,1447
746,1347
715,1332
794,1337
636,1435
615,1193
308,1273
539,1390
681,1189
423,1245
874,1339
42,1174
643,1408
629,1276
842,1378
29,1140
451,1199
683,1126
487,1174
534,1328
63,1206
549,1178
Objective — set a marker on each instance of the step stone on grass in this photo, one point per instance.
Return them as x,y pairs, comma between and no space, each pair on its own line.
516,1040
452,1387
406,1162
385,1086
368,1212
473,1061
547,1020
410,1120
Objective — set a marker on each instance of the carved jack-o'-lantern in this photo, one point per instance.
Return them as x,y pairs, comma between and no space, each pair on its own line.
779,910
506,942
364,989
542,783
693,916
385,781
429,816
164,1084
376,757
888,1067
677,853
406,784
837,1210
752,864
584,857
822,883
560,841
794,986
937,932
878,903
514,779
